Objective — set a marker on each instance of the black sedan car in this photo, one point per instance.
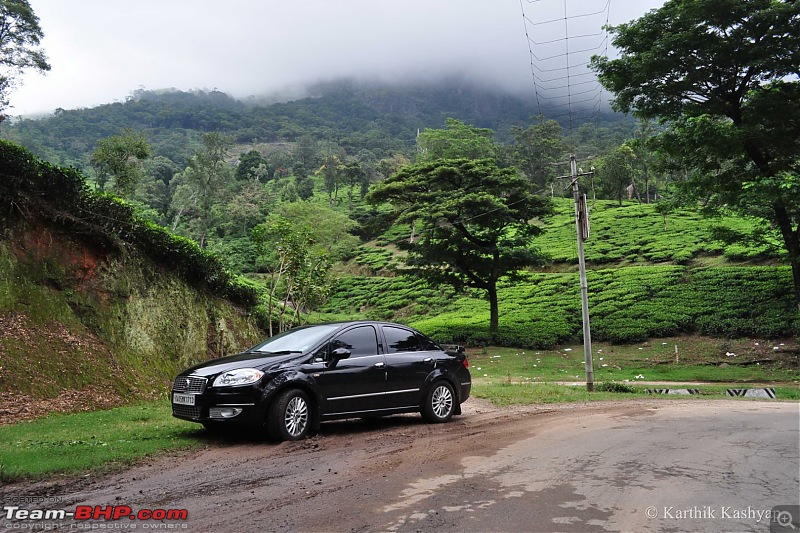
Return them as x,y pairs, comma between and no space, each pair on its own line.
293,381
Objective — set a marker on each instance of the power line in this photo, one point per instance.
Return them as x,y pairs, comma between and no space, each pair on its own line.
560,45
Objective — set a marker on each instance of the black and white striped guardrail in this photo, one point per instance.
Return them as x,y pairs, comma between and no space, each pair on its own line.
673,391
752,393
743,393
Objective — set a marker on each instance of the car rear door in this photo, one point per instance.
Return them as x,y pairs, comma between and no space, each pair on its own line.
408,364
357,384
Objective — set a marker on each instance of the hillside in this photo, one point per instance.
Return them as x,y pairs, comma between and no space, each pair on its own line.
89,316
649,275
379,119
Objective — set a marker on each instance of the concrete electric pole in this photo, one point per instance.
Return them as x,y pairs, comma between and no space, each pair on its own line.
582,229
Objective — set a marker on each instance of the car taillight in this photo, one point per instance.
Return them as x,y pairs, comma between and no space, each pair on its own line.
466,363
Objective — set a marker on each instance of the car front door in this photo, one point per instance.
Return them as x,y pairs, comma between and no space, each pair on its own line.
356,384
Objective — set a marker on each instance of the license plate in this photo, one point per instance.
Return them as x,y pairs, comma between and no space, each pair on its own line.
183,399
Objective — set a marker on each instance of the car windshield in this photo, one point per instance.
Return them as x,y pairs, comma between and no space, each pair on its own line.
296,340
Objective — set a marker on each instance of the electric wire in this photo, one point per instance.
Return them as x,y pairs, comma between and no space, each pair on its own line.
559,38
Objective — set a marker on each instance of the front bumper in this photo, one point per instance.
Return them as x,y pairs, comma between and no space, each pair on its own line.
199,403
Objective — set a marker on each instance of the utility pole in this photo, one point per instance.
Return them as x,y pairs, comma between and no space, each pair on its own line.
582,229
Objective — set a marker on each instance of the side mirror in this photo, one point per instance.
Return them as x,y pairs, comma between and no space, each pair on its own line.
340,353
337,355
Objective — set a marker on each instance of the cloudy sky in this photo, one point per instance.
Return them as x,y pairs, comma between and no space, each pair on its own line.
102,50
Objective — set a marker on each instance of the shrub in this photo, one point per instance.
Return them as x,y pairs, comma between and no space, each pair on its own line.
613,386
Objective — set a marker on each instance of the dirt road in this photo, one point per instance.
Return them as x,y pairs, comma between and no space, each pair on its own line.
656,465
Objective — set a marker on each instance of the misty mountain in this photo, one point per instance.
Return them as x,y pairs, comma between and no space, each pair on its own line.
382,119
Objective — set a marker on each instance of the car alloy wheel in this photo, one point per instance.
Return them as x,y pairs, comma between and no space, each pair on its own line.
439,403
296,416
288,417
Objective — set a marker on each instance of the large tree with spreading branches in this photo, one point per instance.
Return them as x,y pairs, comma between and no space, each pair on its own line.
723,76
473,220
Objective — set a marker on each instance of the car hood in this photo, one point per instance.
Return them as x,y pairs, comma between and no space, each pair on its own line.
257,360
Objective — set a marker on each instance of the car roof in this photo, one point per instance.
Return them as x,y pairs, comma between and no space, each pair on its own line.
358,322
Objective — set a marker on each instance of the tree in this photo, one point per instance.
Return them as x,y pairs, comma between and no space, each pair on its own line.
536,149
158,189
246,207
20,36
354,175
390,165
455,140
298,274
305,186
616,172
249,163
645,157
120,157
473,220
331,172
723,75
206,174
305,154
329,229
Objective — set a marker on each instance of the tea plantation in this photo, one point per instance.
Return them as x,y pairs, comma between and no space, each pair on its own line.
649,275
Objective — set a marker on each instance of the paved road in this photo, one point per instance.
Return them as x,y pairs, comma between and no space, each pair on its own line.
652,465
696,466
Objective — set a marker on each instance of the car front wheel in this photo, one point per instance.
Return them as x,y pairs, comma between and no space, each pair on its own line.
439,403
289,416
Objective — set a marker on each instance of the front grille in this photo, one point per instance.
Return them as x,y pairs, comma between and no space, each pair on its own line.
190,384
186,411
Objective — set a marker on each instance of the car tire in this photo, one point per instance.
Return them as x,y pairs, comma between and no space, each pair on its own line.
439,403
289,416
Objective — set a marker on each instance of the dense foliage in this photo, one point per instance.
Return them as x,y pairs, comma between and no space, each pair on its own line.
34,190
724,75
380,120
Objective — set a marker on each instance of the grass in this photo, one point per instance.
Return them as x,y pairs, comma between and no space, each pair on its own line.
98,440
504,394
698,359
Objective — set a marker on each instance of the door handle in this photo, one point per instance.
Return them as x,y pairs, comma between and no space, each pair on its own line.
428,360
379,365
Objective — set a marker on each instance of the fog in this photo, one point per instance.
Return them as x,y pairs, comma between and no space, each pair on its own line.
101,51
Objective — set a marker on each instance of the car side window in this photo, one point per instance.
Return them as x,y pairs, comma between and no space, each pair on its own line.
401,340
360,341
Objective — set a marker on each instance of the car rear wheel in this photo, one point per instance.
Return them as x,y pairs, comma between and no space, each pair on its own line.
439,403
289,416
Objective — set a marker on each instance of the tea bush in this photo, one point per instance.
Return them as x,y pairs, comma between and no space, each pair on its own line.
625,304
638,233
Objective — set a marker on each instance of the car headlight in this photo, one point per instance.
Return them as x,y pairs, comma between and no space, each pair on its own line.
240,376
